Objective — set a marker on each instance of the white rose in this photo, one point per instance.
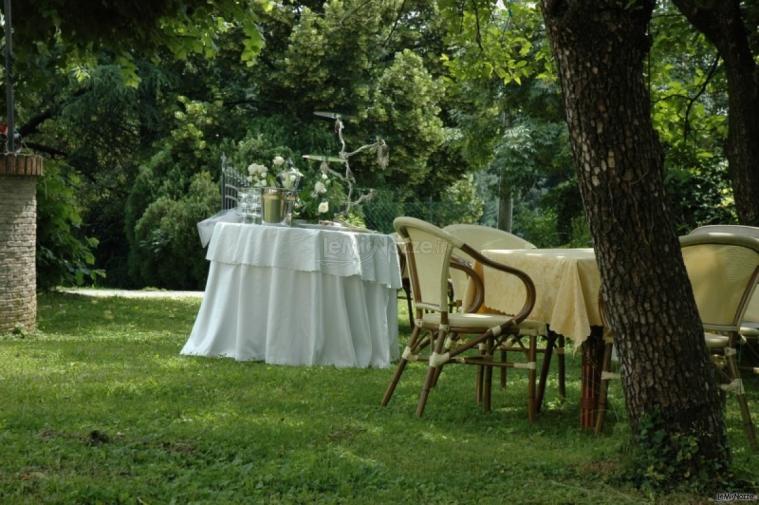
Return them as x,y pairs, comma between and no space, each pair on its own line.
324,176
250,178
320,188
278,161
256,168
323,207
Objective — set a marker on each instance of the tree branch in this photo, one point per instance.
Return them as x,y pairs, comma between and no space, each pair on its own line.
709,75
395,24
478,35
32,126
52,151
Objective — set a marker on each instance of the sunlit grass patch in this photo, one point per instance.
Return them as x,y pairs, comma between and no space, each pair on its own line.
98,407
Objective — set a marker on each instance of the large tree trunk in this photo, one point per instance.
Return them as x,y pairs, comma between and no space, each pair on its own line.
599,48
723,25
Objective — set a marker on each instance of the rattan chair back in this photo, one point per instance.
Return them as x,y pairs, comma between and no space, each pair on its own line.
723,269
752,312
428,253
479,238
733,229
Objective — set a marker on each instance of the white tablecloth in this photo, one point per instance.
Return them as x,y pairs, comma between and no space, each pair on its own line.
299,297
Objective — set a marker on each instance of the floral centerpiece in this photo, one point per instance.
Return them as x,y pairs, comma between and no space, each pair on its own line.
323,191
287,176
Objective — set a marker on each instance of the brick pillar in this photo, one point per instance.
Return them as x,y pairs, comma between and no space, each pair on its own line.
18,236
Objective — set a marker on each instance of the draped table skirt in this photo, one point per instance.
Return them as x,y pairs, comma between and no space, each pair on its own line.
341,313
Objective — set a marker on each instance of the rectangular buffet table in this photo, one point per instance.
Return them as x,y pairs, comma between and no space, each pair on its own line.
299,296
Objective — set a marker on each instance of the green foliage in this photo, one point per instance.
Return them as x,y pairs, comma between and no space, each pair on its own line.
167,247
689,110
699,197
663,460
458,203
133,109
126,28
258,148
404,109
463,202
533,162
536,225
489,43
64,255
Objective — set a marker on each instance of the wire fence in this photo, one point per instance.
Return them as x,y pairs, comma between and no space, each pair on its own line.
379,216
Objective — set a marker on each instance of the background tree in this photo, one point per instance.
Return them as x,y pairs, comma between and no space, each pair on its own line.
134,122
733,27
78,90
689,104
139,131
669,382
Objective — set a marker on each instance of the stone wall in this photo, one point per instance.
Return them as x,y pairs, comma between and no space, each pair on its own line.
18,232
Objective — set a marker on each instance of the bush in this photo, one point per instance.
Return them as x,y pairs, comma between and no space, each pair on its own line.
167,251
64,255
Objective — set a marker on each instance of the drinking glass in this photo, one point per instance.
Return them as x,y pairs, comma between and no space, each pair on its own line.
250,205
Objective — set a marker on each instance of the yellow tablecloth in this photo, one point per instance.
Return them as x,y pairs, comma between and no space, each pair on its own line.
567,283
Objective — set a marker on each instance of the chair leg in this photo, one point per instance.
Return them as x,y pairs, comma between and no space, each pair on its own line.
604,389
425,391
562,370
432,371
504,357
407,290
478,384
400,368
748,425
438,370
487,375
454,337
531,375
487,394
544,369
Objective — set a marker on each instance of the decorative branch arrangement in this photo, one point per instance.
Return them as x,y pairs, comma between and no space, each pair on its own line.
343,158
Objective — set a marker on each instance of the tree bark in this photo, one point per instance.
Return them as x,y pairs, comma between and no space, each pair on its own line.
721,22
599,48
505,207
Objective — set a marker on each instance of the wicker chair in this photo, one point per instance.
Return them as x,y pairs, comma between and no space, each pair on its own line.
724,270
437,330
750,324
456,265
481,238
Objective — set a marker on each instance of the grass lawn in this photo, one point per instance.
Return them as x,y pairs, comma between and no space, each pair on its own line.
99,407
